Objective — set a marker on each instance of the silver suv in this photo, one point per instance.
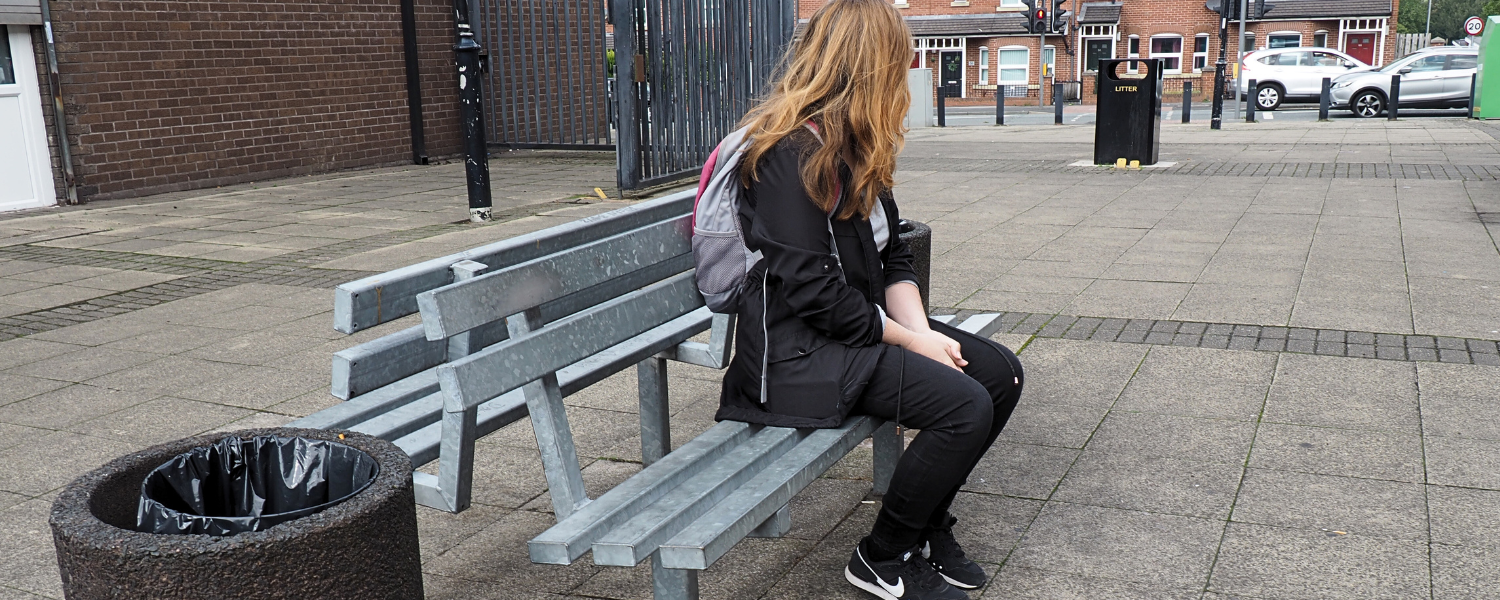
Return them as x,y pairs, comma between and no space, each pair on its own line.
1430,78
1293,74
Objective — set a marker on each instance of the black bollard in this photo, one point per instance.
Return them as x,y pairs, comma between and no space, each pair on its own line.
470,96
1325,99
1473,84
1187,101
1395,101
1000,104
942,110
1250,103
1057,103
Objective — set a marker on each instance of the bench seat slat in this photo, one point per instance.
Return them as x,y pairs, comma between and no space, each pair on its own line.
365,303
464,305
513,363
630,543
702,542
423,445
572,537
391,358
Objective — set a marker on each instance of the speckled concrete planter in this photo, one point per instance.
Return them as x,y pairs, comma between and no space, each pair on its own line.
918,237
365,547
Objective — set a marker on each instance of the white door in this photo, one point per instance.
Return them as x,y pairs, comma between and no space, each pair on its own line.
25,164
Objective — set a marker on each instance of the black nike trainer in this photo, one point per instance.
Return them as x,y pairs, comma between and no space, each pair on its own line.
906,577
947,558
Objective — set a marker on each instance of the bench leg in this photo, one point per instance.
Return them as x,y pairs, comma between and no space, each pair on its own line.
777,526
554,439
656,418
888,447
450,491
672,584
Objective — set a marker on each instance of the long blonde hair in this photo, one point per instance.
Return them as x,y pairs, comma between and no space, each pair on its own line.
847,74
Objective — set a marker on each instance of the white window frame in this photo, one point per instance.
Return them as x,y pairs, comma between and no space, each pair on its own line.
1150,53
1284,34
1130,67
1197,55
1244,49
1049,63
1324,33
1009,4
1094,32
1025,67
1370,25
984,65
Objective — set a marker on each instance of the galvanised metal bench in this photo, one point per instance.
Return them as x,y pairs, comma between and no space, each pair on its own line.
511,329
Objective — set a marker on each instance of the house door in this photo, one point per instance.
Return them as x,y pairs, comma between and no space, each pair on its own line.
953,73
25,165
1361,46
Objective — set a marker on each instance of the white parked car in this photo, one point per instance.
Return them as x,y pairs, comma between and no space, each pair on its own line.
1293,74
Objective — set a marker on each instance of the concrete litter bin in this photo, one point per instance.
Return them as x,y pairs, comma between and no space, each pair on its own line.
918,237
363,547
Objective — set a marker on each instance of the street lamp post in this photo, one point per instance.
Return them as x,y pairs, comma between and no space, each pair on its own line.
470,96
1219,66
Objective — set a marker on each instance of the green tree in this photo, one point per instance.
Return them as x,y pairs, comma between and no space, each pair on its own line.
1447,16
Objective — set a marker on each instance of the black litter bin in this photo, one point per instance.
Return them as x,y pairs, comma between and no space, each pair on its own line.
1127,121
250,484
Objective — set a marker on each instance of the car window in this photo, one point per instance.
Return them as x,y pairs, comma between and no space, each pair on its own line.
1463,61
1322,59
1291,59
1429,63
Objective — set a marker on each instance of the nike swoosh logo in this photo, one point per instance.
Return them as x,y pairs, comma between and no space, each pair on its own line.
895,590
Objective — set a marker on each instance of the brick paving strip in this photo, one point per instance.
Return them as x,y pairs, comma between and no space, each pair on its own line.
1261,338
205,275
1340,170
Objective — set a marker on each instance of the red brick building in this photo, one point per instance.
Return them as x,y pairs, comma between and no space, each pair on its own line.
977,45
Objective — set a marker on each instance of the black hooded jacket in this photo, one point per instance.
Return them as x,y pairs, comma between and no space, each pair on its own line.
818,310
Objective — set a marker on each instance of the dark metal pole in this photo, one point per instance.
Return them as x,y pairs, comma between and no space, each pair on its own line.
413,81
1325,99
1187,101
1000,104
627,96
942,92
1057,103
1250,102
1217,117
59,116
471,111
1473,84
1395,101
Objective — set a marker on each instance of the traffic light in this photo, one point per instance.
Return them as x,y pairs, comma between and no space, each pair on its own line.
1229,9
1036,16
1261,8
1059,20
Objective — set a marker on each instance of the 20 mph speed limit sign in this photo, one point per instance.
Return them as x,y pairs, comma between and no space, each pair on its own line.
1474,26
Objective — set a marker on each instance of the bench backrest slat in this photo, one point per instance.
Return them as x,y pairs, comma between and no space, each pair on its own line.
461,306
513,363
386,360
368,302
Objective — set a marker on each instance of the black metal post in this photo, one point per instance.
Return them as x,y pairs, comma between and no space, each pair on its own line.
413,81
942,92
471,111
1057,103
1395,100
1325,99
1250,102
1187,101
1000,104
1217,117
1473,83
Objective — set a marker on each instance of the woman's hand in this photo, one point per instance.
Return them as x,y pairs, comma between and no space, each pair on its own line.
938,347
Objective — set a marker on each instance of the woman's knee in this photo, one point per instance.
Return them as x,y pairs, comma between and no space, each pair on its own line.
973,409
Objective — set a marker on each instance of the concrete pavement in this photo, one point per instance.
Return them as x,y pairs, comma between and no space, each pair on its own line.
1202,416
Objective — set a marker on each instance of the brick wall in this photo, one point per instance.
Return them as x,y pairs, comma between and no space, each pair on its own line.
164,96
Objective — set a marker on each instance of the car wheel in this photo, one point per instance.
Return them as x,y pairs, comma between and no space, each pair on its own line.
1267,97
1367,104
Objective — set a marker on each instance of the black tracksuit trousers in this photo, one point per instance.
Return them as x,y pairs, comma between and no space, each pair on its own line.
959,415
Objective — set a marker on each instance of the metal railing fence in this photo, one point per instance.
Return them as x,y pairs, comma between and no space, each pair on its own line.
547,85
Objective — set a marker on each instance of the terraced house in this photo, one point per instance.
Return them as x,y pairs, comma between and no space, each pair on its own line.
975,47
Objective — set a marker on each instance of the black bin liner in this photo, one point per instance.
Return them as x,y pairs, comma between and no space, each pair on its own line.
240,485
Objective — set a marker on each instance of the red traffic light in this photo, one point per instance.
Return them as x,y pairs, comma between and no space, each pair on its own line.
1041,14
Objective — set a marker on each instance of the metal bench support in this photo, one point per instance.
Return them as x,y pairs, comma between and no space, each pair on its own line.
554,439
777,526
455,478
656,415
672,584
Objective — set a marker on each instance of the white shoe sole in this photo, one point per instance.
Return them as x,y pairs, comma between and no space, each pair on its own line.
953,582
867,586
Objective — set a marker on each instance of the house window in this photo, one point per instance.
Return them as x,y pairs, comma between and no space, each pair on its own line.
1169,50
1095,49
1284,40
1247,42
7,70
1011,4
1320,39
1013,64
1200,52
984,65
1049,59
1132,50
